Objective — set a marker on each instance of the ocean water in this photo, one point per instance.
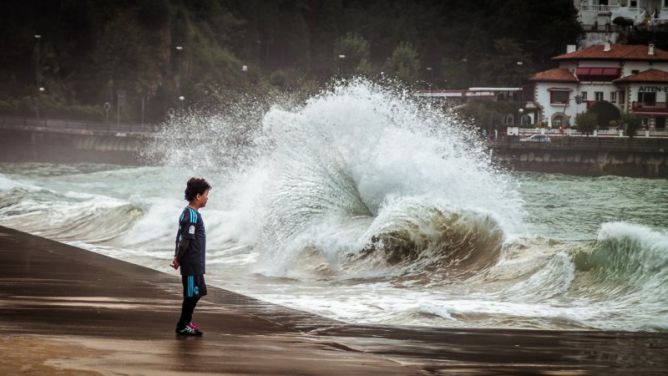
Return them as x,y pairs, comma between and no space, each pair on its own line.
364,206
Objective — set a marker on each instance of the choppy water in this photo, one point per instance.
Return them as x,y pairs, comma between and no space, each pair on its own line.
362,206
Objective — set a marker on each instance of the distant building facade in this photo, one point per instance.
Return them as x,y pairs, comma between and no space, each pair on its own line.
603,19
634,78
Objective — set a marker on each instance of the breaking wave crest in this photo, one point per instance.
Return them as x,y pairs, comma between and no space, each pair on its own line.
363,205
627,259
363,173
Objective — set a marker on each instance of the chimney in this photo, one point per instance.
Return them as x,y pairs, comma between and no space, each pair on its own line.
570,48
607,47
650,51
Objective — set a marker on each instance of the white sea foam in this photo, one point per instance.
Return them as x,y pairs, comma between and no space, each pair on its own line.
362,206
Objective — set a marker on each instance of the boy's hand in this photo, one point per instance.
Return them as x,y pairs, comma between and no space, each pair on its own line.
175,263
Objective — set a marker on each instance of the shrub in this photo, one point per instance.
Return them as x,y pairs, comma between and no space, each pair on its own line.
631,124
605,113
586,122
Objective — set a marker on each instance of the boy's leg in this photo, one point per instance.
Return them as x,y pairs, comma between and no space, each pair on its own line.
194,288
187,309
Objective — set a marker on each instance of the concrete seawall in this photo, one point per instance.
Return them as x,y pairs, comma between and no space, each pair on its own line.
68,311
62,141
592,156
41,144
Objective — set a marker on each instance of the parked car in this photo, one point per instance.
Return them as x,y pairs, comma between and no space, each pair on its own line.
536,138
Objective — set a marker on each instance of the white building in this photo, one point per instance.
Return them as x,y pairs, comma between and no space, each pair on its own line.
602,19
601,14
632,77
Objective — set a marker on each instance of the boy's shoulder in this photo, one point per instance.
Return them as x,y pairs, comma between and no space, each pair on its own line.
190,215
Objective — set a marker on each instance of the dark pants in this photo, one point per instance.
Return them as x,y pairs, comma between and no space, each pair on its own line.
187,309
194,287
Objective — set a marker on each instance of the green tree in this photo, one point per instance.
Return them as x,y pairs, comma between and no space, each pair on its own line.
352,53
404,63
454,73
586,122
631,124
327,17
605,113
489,115
507,65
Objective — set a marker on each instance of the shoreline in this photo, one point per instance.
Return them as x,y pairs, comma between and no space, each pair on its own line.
80,311
75,142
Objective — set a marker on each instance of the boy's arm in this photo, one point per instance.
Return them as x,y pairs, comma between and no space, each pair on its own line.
185,236
181,248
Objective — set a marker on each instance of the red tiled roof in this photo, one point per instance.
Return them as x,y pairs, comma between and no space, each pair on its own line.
651,75
617,52
554,75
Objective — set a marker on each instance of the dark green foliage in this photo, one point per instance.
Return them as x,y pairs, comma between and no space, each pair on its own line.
352,52
586,122
631,124
404,63
644,36
124,52
491,115
605,113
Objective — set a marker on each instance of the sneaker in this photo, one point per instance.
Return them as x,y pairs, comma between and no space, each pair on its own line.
194,326
188,331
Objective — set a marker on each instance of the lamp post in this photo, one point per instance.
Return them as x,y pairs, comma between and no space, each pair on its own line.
179,58
38,58
341,57
107,107
519,64
520,113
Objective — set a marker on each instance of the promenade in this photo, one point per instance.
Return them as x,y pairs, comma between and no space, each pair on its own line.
69,311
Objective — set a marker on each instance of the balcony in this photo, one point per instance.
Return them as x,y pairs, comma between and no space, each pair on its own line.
650,108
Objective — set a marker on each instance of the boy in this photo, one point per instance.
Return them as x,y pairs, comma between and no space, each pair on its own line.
190,254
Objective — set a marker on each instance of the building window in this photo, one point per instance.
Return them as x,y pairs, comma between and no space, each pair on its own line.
622,97
634,3
613,97
559,97
598,96
647,98
584,96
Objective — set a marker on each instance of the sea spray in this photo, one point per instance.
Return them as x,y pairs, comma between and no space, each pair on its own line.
363,205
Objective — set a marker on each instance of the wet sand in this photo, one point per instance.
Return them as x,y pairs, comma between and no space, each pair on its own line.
67,311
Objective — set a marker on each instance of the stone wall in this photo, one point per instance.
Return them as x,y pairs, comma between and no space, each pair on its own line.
72,146
594,156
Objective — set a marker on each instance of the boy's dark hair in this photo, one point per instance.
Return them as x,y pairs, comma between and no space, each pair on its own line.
196,186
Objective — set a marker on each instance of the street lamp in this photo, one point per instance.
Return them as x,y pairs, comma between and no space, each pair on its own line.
519,63
179,58
38,75
341,57
107,107
520,112
429,83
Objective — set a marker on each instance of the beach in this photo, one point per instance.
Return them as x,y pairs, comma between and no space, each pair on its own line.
70,311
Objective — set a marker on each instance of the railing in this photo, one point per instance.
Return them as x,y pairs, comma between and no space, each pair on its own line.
57,124
661,107
601,133
637,144
599,8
